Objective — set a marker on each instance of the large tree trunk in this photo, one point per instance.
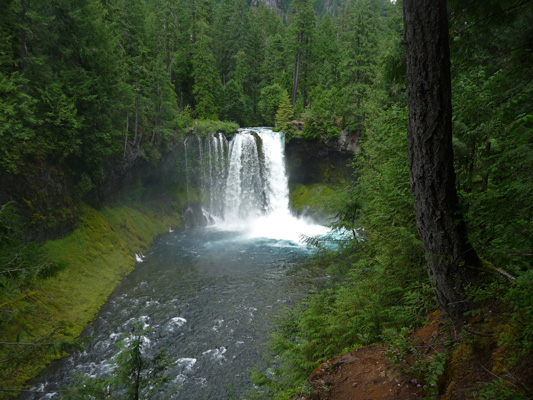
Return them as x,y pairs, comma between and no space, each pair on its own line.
449,255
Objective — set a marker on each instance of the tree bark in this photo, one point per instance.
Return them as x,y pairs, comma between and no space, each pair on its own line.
136,130
25,5
450,257
295,77
126,134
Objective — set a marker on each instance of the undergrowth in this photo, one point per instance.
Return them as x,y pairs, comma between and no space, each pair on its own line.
378,282
423,366
489,357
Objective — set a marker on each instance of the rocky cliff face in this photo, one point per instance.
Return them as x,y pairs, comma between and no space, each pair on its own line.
44,198
47,197
137,173
317,172
311,162
348,141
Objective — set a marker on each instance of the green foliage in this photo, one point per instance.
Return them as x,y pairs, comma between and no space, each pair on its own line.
85,84
273,69
284,118
269,101
300,36
516,341
319,123
184,120
21,263
22,266
134,375
377,280
355,308
237,107
520,297
493,122
358,45
500,390
207,86
232,26
314,200
203,127
17,122
84,186
421,369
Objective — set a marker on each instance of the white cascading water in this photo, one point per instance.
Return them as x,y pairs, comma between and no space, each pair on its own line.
247,186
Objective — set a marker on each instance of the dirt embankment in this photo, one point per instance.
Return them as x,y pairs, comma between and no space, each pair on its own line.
472,360
360,375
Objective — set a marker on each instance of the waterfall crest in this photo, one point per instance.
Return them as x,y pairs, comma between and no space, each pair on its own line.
243,185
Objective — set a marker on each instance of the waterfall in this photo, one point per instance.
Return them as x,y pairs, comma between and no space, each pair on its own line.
244,184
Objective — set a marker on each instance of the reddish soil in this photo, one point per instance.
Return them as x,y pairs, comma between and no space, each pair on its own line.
366,373
363,374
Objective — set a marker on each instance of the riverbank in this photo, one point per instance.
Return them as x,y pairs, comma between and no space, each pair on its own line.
96,256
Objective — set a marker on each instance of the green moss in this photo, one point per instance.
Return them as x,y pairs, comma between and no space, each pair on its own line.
313,198
98,254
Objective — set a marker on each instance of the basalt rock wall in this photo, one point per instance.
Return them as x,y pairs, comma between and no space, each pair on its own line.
138,174
48,196
310,162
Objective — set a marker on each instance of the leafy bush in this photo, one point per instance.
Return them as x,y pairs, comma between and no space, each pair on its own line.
359,302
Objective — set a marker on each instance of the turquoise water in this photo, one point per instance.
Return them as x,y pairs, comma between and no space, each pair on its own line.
208,297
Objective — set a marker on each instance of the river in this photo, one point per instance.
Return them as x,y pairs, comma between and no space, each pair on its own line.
206,296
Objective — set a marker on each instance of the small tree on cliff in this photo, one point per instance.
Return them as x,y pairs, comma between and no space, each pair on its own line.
134,377
449,255
284,117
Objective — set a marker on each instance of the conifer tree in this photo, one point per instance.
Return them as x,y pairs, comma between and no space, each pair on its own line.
323,109
284,117
274,66
207,87
269,101
300,35
231,27
358,46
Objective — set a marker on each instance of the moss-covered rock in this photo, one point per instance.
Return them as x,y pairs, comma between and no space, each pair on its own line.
312,200
313,162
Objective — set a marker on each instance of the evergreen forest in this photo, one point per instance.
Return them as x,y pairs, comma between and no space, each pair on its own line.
92,87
